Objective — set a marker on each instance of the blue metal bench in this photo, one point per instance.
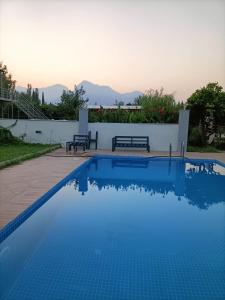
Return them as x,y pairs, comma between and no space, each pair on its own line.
130,142
95,141
79,140
83,140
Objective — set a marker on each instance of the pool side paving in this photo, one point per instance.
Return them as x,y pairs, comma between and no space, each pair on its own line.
22,184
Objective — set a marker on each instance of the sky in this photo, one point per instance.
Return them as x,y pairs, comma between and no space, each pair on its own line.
128,44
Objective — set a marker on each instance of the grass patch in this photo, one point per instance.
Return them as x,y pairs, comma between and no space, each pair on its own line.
16,153
209,149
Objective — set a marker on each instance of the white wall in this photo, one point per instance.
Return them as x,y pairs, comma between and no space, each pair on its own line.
52,132
160,135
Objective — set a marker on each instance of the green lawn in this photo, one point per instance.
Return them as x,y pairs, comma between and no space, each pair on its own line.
15,153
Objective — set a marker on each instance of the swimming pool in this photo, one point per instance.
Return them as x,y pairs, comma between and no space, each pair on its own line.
121,228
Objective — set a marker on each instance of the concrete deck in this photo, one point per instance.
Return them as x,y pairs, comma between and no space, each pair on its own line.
21,185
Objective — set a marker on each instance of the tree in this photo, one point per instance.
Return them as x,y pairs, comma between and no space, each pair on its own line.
29,90
42,98
159,107
36,99
32,95
71,102
52,111
6,81
119,103
207,108
7,89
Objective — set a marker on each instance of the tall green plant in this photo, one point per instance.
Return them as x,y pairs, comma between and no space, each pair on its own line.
207,107
159,107
6,80
71,102
6,137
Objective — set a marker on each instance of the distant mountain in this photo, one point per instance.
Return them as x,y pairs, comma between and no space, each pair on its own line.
97,94
52,93
105,95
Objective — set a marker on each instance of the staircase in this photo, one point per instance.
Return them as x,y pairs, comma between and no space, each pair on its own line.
23,103
32,111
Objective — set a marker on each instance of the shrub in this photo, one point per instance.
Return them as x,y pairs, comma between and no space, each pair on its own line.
220,138
6,137
221,145
159,107
196,137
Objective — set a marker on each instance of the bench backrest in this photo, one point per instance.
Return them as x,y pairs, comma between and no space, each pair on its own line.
131,139
96,136
81,138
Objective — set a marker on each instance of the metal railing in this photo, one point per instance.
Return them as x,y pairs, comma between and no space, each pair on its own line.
28,108
6,94
23,103
182,150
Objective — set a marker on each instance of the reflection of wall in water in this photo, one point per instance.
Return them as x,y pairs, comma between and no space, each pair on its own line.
177,176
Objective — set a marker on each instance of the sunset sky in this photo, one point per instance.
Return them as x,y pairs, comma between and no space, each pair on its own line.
127,44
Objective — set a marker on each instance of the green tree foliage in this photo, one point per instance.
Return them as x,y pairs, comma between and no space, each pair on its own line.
52,111
68,108
35,97
207,109
71,102
119,103
156,107
31,95
6,80
29,90
6,137
116,116
42,98
159,107
195,137
7,89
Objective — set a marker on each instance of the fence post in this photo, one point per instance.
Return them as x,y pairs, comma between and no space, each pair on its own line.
83,121
183,129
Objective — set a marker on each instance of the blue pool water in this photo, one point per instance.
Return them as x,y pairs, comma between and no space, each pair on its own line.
121,229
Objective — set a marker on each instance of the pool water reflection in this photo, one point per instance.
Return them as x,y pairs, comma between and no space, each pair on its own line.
123,228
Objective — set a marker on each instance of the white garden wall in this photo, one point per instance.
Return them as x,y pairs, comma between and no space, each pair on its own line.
160,135
51,132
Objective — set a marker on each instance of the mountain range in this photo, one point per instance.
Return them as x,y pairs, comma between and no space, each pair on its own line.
97,94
